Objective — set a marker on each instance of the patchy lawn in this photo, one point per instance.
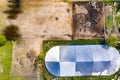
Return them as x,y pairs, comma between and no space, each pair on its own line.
6,62
108,16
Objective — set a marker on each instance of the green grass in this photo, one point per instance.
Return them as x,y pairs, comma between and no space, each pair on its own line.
51,43
108,22
106,2
6,60
108,18
117,17
65,0
8,77
6,57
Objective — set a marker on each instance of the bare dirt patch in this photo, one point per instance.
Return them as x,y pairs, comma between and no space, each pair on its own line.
24,53
49,20
88,20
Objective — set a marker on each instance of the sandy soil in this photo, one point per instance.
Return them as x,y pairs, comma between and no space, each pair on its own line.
40,20
49,20
3,3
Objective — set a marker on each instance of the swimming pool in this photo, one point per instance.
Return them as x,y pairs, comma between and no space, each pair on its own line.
82,60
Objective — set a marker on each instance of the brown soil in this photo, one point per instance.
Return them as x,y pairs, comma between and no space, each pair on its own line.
88,23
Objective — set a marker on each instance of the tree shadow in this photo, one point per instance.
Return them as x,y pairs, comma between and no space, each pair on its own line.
14,8
12,32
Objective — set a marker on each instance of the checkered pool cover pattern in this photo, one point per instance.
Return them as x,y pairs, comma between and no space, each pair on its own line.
82,60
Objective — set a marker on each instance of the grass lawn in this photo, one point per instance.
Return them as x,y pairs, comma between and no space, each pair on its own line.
49,44
108,22
117,16
6,57
108,16
6,60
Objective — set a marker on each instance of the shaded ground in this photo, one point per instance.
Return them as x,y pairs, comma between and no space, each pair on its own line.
88,20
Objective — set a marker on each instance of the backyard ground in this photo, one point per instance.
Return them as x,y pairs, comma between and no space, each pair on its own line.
41,20
88,20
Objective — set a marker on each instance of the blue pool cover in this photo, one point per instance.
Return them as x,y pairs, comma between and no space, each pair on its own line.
82,60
